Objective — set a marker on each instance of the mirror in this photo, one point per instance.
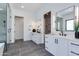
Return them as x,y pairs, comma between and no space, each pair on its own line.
65,19
59,22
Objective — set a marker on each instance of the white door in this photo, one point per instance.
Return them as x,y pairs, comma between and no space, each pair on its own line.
18,28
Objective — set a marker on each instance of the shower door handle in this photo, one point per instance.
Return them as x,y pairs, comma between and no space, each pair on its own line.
4,23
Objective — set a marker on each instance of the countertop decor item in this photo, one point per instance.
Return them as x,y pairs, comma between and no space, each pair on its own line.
34,30
38,30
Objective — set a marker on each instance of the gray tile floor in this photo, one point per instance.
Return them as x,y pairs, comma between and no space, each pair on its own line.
28,48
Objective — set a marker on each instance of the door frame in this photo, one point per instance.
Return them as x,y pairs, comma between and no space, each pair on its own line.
14,26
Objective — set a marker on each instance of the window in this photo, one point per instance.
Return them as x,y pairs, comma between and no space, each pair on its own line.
69,25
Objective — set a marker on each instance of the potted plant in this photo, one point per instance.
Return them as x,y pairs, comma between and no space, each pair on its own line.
77,29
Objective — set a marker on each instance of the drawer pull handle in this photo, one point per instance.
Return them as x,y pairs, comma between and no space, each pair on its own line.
56,41
75,44
74,53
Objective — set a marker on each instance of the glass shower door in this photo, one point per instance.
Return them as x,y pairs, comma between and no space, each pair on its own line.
2,28
3,22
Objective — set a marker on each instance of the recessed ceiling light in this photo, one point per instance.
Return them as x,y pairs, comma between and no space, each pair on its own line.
22,6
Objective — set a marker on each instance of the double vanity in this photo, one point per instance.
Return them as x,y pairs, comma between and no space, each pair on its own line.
60,32
63,40
61,45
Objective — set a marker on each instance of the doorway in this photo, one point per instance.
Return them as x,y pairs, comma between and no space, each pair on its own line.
19,27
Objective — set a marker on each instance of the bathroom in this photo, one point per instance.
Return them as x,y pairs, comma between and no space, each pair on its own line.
53,27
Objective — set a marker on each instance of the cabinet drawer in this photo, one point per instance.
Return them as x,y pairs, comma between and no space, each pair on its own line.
74,47
72,53
38,40
33,38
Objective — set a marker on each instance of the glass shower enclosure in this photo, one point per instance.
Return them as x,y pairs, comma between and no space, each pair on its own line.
3,23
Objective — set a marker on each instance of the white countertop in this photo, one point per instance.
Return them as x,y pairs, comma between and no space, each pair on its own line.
65,37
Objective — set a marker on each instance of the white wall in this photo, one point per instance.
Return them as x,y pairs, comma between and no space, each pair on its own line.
28,17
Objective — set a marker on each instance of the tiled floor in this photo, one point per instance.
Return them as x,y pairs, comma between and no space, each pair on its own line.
28,48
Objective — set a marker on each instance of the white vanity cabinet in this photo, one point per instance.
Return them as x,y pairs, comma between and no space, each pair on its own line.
56,46
73,48
50,45
37,38
62,47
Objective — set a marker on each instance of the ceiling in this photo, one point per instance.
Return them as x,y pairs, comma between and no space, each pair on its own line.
3,8
35,7
30,7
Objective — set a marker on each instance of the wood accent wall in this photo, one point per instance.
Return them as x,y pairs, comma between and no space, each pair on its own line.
47,24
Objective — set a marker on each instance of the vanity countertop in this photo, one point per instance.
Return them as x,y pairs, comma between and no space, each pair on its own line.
64,37
36,33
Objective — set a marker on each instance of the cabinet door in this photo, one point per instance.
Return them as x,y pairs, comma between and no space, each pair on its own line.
53,45
38,40
62,47
50,45
47,44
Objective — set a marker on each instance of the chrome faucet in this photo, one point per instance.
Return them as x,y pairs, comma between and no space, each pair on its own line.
62,34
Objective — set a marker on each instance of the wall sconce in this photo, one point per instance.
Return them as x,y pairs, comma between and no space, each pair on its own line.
33,25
